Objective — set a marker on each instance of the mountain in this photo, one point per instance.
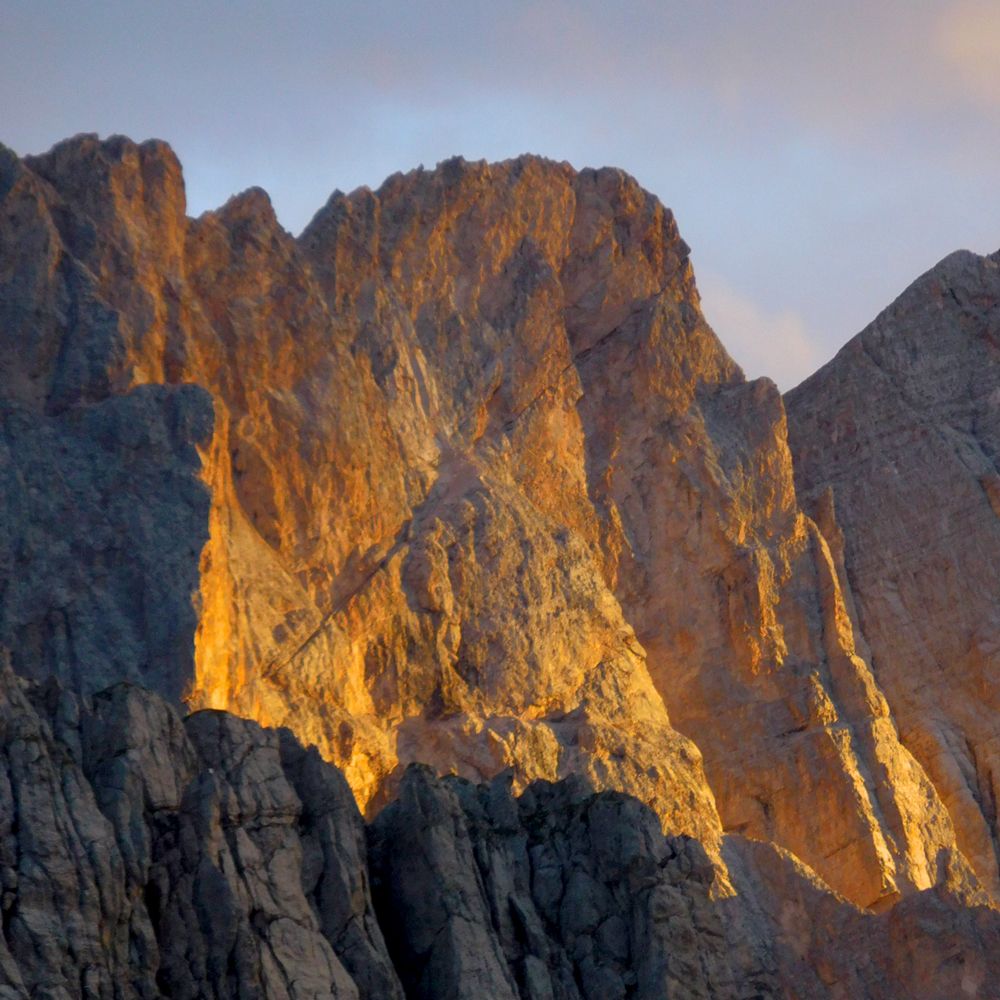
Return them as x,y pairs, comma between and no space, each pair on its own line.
461,477
898,438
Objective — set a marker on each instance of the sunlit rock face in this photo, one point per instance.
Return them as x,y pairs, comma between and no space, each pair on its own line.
899,436
485,491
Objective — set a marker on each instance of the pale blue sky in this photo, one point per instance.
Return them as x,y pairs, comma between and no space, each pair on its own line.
818,155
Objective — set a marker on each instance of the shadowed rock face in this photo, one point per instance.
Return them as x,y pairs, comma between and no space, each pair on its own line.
142,856
900,436
104,520
484,491
561,894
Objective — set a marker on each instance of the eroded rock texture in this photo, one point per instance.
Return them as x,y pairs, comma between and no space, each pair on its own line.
104,519
142,856
897,440
562,894
485,492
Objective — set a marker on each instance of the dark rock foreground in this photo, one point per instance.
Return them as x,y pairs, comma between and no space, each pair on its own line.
144,856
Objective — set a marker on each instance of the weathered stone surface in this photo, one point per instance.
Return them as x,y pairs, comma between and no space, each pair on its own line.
792,930
229,301
104,519
141,857
897,441
480,488
65,911
562,894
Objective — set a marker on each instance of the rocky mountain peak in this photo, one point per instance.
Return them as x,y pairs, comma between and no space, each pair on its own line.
461,477
903,429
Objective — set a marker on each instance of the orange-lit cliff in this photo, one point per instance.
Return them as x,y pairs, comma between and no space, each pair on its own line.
461,476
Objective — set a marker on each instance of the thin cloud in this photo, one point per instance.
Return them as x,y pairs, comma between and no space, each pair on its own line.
969,41
762,341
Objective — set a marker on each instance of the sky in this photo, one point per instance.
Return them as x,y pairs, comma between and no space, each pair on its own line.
818,156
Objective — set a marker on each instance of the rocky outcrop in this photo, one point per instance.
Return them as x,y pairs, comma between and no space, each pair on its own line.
566,894
485,492
561,893
142,856
573,344
931,945
104,520
897,444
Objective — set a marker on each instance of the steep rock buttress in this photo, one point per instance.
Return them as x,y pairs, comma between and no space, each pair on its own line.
898,437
